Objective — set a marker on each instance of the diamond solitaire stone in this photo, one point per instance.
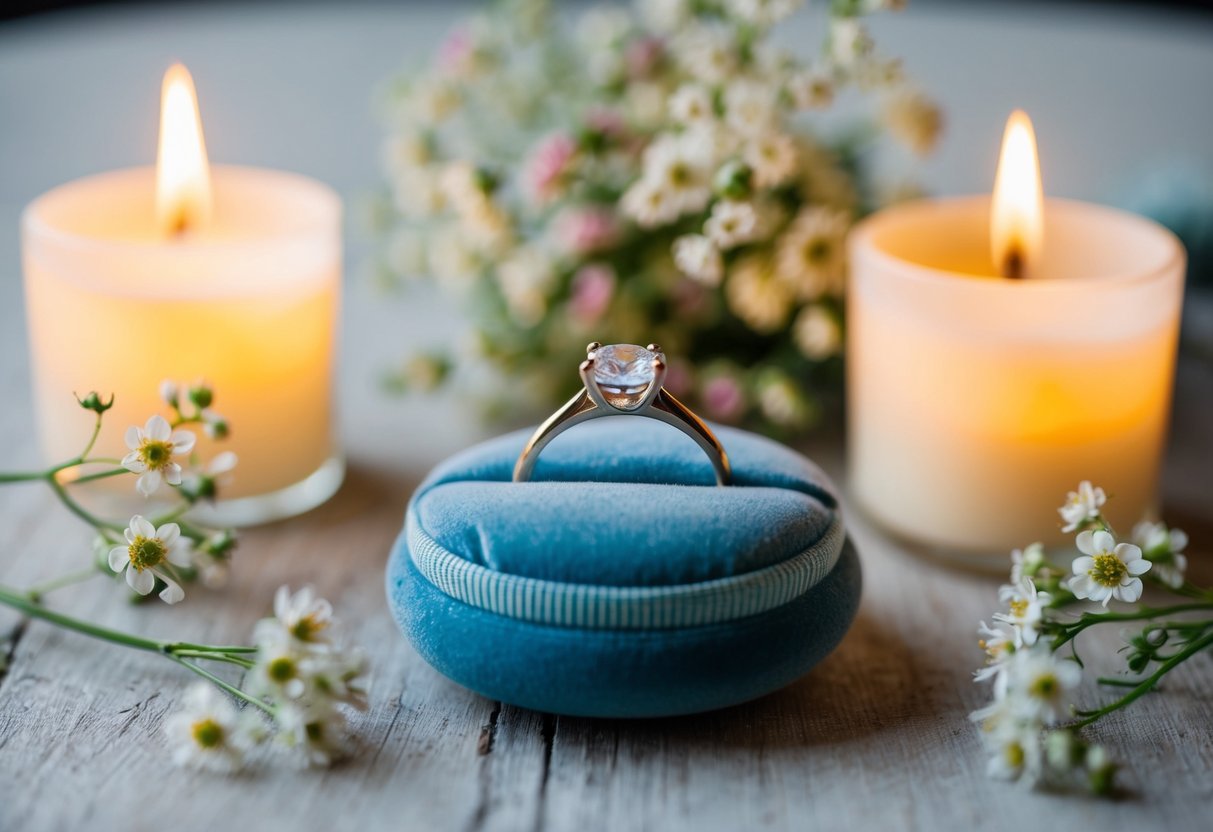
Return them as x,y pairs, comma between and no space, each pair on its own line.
623,372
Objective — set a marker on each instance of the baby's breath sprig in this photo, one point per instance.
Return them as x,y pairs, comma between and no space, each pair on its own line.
166,550
1032,726
297,675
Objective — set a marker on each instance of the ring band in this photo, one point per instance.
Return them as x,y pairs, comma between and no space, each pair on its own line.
623,380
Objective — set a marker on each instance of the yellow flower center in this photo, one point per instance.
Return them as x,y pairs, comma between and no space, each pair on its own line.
155,454
315,731
306,628
1044,686
207,733
1019,608
1013,754
281,669
146,552
1107,570
680,174
817,251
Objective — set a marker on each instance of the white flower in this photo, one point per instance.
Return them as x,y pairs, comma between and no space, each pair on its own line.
1107,569
665,15
811,90
1026,562
699,259
146,554
525,278
762,12
403,153
772,157
755,295
817,333
691,105
1037,684
303,616
207,732
810,256
453,259
169,392
1016,752
1026,610
731,223
152,449
1163,547
316,737
418,193
850,42
999,643
1081,505
649,204
708,53
680,164
749,106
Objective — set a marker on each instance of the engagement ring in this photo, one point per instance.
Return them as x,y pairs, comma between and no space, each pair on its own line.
623,380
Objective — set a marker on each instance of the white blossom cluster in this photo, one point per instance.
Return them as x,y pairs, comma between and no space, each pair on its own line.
1026,726
301,676
653,174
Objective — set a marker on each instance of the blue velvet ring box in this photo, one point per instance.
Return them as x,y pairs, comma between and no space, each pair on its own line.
621,581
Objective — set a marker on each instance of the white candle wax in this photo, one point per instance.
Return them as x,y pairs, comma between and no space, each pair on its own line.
976,402
249,302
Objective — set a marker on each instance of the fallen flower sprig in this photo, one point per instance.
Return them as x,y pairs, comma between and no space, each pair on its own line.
167,550
1032,726
296,674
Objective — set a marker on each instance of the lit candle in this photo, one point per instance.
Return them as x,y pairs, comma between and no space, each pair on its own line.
999,352
185,272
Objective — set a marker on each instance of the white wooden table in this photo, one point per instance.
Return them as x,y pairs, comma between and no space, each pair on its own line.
875,737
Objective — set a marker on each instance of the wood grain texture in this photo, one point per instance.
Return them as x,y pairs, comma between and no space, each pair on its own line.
876,737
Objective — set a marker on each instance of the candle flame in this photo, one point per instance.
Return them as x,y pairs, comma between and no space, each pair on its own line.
1017,215
183,176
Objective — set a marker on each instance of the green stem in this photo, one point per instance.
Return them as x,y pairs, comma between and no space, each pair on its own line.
1143,614
92,440
1148,683
79,510
230,688
37,591
100,475
21,476
214,657
20,601
180,646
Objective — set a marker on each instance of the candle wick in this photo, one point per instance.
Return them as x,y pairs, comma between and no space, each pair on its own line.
1013,264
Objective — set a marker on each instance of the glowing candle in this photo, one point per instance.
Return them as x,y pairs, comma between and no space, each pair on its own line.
183,272
1000,351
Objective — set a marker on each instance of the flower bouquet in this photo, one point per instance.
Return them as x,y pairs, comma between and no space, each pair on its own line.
656,175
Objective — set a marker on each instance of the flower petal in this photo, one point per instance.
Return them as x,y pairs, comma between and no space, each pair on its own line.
158,429
142,582
179,554
1103,542
168,533
222,463
1085,542
119,558
132,462
1127,552
147,483
172,473
1130,590
1082,565
141,526
172,592
133,437
1138,567
183,441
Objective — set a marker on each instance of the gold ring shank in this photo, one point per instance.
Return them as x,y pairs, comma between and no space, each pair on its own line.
662,406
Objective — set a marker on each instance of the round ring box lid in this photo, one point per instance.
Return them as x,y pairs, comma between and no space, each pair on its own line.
621,581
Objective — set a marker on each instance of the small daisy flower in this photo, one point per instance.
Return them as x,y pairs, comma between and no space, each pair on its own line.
205,483
1081,505
810,257
303,615
1026,609
762,12
915,120
1037,685
315,737
772,156
755,295
691,106
698,258
1107,569
1016,752
998,642
707,52
169,392
1163,547
749,106
152,449
811,90
207,733
817,333
650,204
147,556
666,15
1026,562
679,165
731,223
850,42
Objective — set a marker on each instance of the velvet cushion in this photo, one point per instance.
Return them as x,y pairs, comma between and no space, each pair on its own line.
621,581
